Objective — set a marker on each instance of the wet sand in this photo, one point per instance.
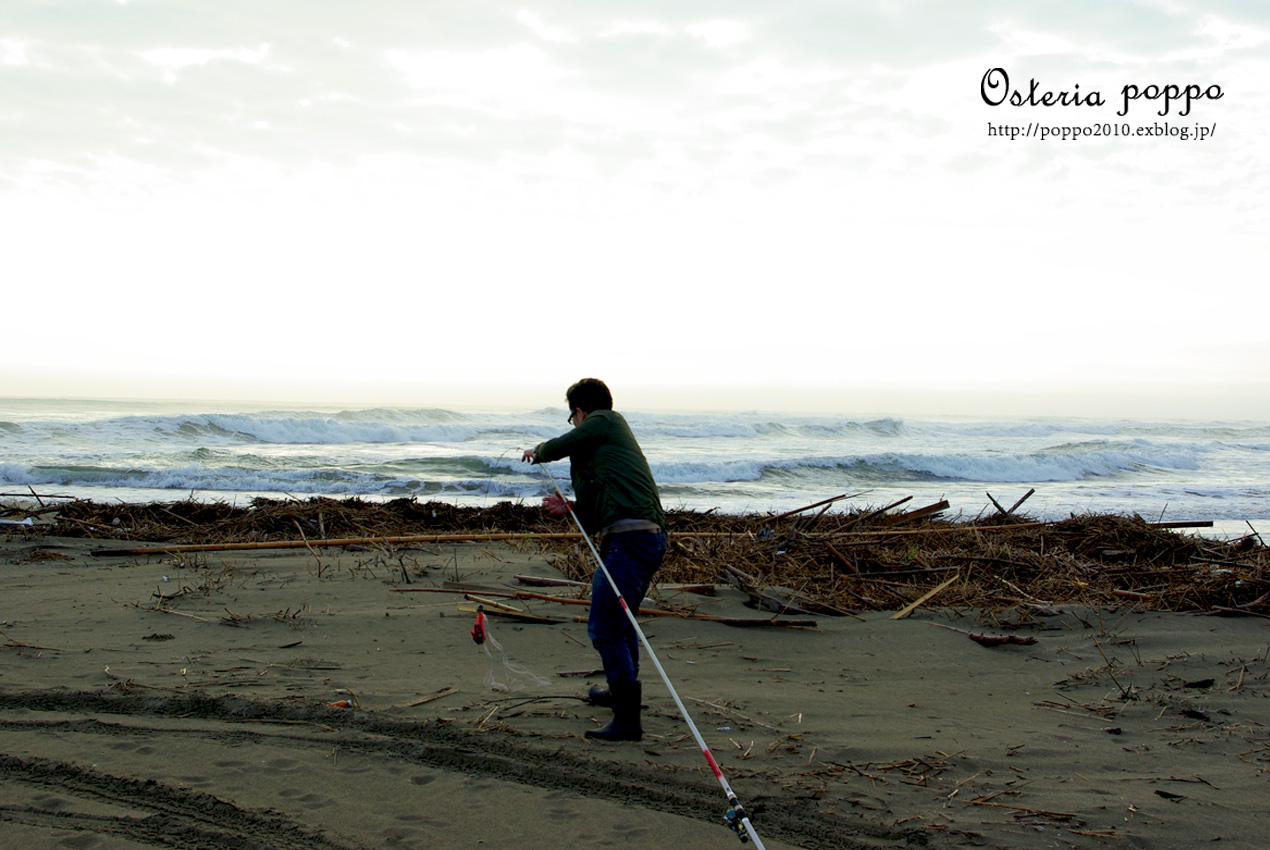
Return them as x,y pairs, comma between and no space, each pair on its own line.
149,701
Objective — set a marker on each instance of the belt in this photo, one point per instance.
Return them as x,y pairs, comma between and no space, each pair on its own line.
632,526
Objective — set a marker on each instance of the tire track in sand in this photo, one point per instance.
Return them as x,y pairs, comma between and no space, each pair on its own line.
439,745
178,818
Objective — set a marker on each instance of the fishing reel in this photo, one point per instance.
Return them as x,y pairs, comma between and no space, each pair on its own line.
735,819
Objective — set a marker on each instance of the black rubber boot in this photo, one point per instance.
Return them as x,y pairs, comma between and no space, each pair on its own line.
599,696
626,698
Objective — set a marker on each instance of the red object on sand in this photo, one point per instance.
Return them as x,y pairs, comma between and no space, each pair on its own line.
478,628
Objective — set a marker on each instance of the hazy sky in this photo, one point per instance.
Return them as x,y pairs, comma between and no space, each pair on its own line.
791,204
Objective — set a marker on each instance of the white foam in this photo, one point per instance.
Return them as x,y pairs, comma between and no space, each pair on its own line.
738,460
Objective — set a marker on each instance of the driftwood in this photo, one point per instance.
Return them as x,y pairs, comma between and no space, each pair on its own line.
745,622
865,517
487,598
303,543
914,515
10,643
854,561
658,612
543,581
997,505
795,511
493,607
781,600
343,541
1021,500
913,606
990,640
444,692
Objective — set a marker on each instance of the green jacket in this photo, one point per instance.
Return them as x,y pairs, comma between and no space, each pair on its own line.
611,478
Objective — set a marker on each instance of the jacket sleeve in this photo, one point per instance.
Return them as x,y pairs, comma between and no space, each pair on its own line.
586,434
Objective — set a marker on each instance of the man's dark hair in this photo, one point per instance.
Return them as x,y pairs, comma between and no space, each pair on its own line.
589,394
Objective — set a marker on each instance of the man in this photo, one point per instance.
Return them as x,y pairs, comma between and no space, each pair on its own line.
617,498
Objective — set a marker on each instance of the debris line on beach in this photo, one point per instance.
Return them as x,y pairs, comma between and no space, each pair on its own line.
867,559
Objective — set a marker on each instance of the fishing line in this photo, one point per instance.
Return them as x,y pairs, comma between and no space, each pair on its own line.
519,676
736,818
489,479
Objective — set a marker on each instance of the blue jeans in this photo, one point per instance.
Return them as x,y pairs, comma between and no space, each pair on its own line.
631,558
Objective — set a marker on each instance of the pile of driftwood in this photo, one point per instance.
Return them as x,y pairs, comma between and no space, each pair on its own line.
1093,560
267,520
803,562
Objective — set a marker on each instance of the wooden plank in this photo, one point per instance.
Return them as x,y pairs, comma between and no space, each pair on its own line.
916,514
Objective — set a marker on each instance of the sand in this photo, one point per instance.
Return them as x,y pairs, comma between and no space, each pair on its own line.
148,702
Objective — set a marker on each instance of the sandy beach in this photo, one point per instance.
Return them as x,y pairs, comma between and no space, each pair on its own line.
198,701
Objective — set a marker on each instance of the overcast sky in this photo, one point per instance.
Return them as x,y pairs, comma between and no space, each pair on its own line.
755,204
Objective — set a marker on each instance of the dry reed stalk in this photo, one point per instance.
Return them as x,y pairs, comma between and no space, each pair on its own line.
857,562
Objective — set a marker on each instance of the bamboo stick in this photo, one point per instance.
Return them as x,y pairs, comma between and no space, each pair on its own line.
364,541
828,501
658,612
495,605
1022,499
862,518
1007,527
558,535
542,581
444,692
343,541
1000,509
910,608
949,530
918,513
507,611
564,600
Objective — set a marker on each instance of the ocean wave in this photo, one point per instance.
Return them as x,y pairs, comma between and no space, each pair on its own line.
383,426
208,469
226,429
1069,464
750,459
1038,428
330,481
1254,448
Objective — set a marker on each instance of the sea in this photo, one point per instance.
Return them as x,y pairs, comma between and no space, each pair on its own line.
730,462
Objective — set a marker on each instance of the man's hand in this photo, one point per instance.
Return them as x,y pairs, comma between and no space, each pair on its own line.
556,505
528,456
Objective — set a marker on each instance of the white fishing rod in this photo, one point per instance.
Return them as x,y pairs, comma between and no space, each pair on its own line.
736,818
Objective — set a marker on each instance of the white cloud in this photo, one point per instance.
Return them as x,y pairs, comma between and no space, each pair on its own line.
509,78
1229,35
773,76
13,52
1019,41
173,59
805,179
719,33
542,30
633,27
176,58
